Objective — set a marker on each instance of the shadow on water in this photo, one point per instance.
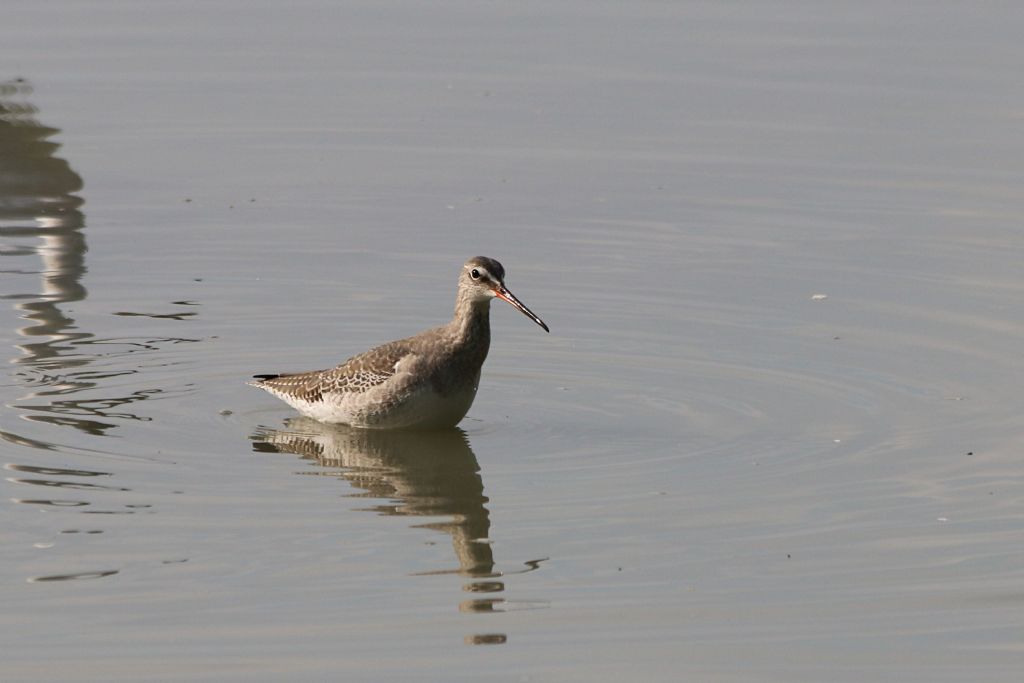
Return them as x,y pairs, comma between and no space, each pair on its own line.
418,474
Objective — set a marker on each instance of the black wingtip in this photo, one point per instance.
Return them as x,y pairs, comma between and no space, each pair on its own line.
263,378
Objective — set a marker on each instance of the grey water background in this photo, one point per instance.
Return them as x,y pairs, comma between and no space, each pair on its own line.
775,434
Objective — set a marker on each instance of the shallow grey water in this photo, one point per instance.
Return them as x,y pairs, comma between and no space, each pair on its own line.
773,436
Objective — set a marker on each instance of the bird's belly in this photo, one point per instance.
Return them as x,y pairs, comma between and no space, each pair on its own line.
421,407
425,408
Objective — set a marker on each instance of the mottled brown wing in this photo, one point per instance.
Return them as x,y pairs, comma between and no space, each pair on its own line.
355,375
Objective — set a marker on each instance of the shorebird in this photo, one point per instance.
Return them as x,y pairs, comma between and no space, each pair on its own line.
424,381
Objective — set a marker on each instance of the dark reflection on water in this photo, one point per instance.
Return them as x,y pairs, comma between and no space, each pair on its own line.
67,409
433,474
66,484
37,201
19,440
45,479
58,471
54,503
78,576
40,216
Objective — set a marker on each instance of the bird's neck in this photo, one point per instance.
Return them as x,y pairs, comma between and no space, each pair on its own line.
472,323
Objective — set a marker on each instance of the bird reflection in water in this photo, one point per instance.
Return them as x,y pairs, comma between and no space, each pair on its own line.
429,474
420,473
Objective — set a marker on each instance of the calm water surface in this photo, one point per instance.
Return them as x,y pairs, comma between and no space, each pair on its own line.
774,435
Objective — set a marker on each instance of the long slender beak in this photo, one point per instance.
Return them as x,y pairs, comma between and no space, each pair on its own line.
501,291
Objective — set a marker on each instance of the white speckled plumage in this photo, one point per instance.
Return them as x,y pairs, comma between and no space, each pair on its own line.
428,380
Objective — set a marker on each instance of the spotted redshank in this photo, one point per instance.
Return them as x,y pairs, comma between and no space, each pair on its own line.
428,380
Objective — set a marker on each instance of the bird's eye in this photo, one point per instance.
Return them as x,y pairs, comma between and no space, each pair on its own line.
475,274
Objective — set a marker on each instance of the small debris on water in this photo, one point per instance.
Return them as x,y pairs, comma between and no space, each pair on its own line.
819,297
